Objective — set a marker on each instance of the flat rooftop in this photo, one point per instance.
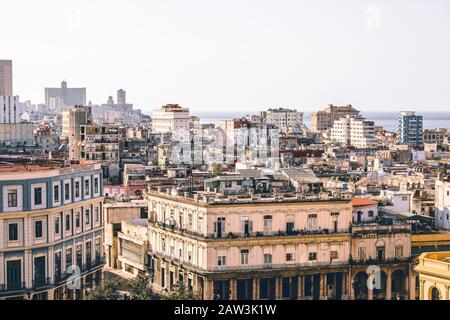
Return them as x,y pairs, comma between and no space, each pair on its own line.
35,164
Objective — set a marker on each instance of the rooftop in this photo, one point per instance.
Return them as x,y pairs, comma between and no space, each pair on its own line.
362,202
35,164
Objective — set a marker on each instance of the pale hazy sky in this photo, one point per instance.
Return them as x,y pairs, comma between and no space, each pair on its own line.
234,55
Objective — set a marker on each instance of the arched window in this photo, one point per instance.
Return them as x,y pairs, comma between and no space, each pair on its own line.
435,294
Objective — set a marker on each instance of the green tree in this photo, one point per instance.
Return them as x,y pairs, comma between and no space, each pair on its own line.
107,290
181,293
140,289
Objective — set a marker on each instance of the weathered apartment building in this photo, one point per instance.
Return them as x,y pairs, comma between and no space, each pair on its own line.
279,247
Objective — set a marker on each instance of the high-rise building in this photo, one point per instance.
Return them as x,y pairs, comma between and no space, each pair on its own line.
324,120
9,111
52,227
410,129
121,96
170,118
65,96
78,116
356,132
6,83
283,118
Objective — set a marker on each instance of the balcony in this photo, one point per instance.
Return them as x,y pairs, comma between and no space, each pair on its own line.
234,235
40,282
10,287
379,261
276,267
281,233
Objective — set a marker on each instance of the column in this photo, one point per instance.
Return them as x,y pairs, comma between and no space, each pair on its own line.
300,288
209,291
278,283
28,269
2,266
233,285
351,290
255,288
412,285
370,294
446,292
323,286
344,285
422,289
388,285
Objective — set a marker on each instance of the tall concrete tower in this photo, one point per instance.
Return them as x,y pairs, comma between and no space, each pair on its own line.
121,96
6,85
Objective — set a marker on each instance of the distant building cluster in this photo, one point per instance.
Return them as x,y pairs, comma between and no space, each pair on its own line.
258,207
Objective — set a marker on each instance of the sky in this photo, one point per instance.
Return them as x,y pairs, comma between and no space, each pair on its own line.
234,55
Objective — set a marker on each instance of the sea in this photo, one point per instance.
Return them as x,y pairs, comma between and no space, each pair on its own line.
387,120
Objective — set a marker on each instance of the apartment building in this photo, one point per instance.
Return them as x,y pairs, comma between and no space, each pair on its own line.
103,143
250,249
435,136
170,118
283,118
355,132
324,120
410,129
442,203
72,121
279,247
51,228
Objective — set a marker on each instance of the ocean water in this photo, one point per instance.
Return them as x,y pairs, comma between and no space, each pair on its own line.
388,120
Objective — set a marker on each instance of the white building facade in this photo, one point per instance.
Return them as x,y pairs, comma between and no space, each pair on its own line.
356,132
170,118
442,204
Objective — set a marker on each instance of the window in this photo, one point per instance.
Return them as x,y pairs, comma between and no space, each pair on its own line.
13,234
77,189
267,223
38,229
398,251
244,256
404,198
334,255
96,185
67,191
68,222
222,261
220,227
87,214
312,256
77,220
362,253
56,193
289,257
12,198
312,222
37,196
97,214
267,258
97,250
68,257
57,225
86,187
58,265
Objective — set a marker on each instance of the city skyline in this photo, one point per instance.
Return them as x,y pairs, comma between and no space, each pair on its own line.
377,56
